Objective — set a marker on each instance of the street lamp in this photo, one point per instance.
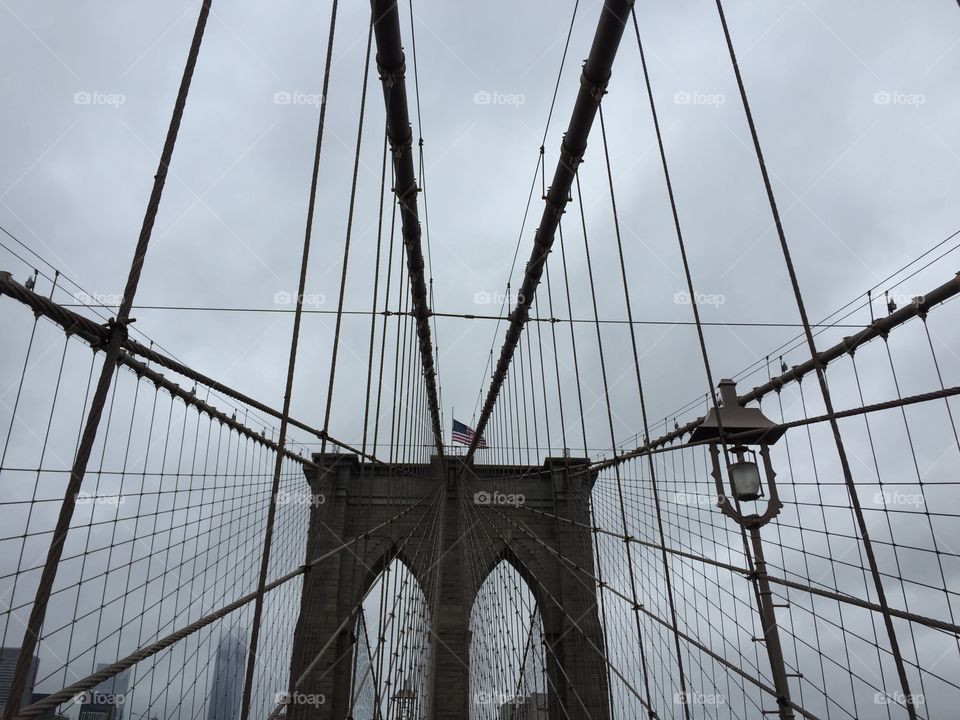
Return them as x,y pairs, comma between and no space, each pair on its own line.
745,428
404,701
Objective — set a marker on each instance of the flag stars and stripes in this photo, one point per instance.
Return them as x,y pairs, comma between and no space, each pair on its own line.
465,434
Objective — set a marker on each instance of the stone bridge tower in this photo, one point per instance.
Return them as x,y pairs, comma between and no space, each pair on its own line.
361,497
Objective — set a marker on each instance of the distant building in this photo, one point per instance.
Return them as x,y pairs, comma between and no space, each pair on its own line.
8,665
106,701
525,707
226,691
50,714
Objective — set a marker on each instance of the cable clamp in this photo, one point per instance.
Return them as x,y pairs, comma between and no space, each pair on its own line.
114,326
409,192
390,78
596,90
571,160
558,210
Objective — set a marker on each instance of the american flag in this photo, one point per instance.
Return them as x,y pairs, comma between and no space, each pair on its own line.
464,434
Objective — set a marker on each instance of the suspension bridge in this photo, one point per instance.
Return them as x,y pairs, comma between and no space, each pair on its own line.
781,544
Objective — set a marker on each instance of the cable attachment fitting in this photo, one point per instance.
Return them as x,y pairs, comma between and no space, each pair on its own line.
920,305
557,209
596,90
399,146
393,77
570,159
891,303
137,367
116,326
406,196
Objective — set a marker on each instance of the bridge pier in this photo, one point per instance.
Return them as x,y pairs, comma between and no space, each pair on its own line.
358,498
451,691
582,682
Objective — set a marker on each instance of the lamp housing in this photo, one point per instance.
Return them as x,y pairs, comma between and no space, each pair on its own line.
745,426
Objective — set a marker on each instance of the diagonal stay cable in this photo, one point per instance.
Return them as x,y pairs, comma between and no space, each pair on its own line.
118,334
880,327
533,184
38,708
585,577
820,374
351,616
98,337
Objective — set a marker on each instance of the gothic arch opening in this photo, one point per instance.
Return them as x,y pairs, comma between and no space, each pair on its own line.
392,653
508,677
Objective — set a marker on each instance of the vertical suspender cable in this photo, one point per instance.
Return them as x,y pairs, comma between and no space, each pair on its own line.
821,378
346,245
288,391
392,67
646,423
593,84
773,650
621,501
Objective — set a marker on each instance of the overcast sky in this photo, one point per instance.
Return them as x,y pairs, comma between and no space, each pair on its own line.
856,103
864,180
